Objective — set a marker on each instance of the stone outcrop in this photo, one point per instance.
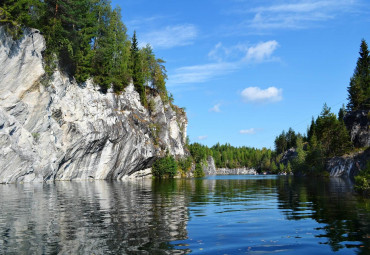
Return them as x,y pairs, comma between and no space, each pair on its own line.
348,165
236,171
288,156
209,167
61,130
358,123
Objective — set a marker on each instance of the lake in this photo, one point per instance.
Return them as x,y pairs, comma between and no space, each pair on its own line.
213,215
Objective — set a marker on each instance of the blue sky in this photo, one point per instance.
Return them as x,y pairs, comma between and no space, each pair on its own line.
247,69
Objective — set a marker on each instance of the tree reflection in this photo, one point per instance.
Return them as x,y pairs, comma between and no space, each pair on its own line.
345,217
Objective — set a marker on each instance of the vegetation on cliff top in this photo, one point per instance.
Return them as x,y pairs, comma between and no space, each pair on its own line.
87,39
328,136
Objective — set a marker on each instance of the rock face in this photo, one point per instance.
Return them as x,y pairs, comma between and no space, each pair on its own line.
348,166
288,155
358,123
61,130
210,167
236,171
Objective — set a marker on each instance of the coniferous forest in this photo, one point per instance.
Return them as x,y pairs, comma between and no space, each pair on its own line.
327,137
86,38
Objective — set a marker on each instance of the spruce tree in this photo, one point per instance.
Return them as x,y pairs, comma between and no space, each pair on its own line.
359,88
342,112
137,69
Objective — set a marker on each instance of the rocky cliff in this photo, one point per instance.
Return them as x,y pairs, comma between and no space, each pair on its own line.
358,123
209,168
348,165
61,130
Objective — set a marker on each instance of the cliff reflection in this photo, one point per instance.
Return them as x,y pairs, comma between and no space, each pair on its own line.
90,217
228,214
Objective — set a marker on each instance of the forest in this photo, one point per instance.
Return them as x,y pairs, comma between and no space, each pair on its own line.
87,39
327,136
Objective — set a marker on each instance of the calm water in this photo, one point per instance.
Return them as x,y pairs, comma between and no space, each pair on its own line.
218,215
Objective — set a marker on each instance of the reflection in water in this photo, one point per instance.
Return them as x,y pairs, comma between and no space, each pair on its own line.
89,217
345,218
217,215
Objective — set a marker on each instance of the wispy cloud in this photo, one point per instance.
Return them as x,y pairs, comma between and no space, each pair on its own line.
201,73
171,36
289,14
215,108
258,95
261,51
226,61
202,137
250,131
140,22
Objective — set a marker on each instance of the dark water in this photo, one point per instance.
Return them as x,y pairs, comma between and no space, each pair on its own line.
219,215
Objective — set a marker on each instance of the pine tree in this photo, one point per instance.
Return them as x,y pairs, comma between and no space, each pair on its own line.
342,112
137,69
359,88
17,14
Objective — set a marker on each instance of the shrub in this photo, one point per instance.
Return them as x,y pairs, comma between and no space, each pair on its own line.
198,172
362,181
164,167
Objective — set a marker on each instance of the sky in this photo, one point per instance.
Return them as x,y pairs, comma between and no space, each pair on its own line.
245,70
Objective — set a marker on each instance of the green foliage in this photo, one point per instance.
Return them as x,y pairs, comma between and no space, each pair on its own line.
199,152
359,87
16,14
363,180
86,38
164,167
288,168
286,141
227,156
36,136
184,165
342,112
299,162
332,134
155,129
151,105
327,137
198,172
138,76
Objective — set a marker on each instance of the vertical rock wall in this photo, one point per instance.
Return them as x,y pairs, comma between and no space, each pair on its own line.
61,130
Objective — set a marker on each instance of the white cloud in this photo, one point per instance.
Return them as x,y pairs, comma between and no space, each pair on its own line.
241,54
171,36
257,95
200,73
296,7
202,137
261,51
215,108
297,14
140,22
219,52
244,52
249,131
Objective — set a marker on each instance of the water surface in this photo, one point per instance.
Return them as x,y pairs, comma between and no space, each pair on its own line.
215,215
